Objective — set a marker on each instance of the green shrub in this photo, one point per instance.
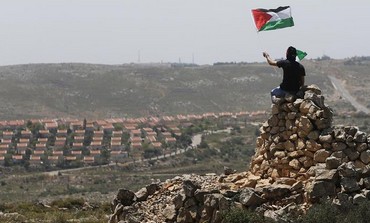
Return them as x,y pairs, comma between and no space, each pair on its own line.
4,206
69,203
357,213
329,213
237,215
59,218
323,213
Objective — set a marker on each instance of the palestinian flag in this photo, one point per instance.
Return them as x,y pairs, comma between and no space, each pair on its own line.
270,19
301,54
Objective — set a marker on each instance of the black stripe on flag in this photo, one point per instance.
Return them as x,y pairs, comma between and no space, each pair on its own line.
281,8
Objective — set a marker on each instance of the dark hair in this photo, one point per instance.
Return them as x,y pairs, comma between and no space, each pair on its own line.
291,53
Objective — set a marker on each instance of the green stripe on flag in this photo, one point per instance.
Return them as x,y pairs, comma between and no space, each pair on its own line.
301,54
279,24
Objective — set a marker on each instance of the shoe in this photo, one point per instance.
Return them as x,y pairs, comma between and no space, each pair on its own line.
275,100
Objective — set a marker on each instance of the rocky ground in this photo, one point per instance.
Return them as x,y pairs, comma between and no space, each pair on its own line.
300,159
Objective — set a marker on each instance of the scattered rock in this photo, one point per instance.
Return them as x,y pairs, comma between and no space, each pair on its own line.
249,198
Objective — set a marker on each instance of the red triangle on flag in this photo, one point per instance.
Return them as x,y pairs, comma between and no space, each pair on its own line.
260,18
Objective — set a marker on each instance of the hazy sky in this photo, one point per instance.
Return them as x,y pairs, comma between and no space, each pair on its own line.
118,31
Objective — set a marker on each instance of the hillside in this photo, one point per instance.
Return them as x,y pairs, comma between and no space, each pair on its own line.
103,91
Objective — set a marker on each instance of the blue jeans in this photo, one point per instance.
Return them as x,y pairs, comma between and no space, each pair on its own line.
277,92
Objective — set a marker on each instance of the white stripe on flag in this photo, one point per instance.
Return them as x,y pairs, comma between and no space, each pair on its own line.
285,14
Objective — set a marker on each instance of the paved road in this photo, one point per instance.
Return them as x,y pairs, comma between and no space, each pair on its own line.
196,140
338,85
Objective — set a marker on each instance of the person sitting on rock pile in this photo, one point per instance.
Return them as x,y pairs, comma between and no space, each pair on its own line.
293,75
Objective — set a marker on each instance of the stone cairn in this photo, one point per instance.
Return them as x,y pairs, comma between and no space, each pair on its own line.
300,159
296,137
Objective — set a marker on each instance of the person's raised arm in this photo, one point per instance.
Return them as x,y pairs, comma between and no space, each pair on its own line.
269,60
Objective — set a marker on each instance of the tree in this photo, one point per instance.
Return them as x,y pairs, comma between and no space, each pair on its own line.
105,155
203,144
118,126
84,124
184,140
151,152
8,161
88,138
34,127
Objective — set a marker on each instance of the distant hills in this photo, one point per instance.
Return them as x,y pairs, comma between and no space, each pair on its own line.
135,90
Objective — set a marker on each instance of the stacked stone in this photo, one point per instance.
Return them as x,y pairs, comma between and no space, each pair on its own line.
289,144
345,144
298,142
345,184
343,171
